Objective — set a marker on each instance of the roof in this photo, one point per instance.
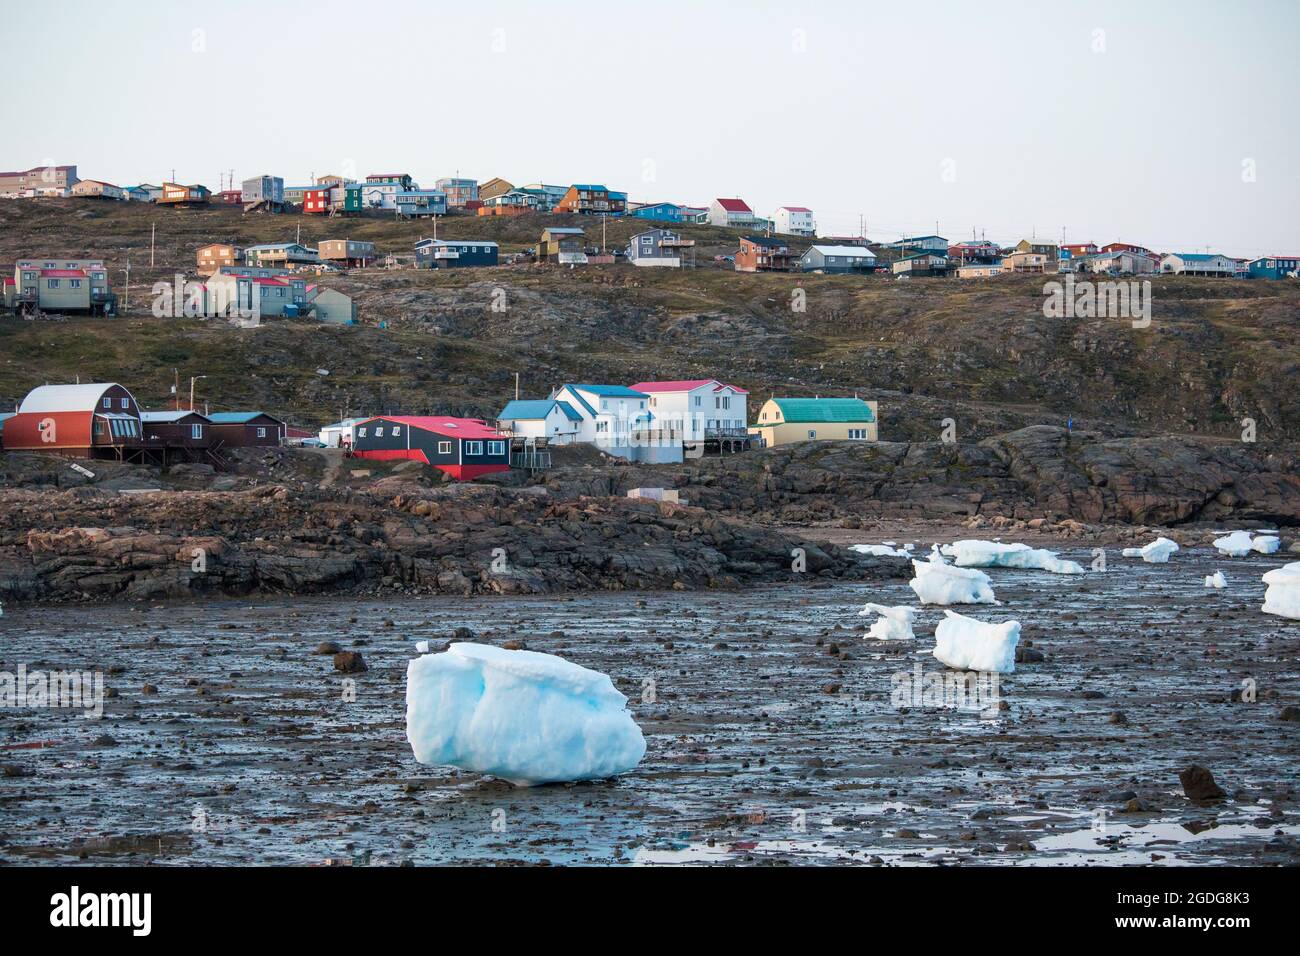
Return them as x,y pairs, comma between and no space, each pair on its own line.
565,231
734,205
454,242
237,418
767,241
444,425
799,410
65,398
537,409
854,251
610,391
1197,256
172,416
64,273
795,208
591,187
684,385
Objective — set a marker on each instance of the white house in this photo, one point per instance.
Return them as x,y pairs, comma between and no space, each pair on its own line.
340,434
1198,264
732,212
704,409
795,221
551,420
618,421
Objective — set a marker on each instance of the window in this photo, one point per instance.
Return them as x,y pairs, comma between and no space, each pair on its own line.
858,434
397,430
697,401
496,448
812,433
75,283
473,448
125,403
196,431
108,402
444,448
379,432
51,283
361,433
602,426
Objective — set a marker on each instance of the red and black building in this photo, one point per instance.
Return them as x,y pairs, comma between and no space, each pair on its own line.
464,448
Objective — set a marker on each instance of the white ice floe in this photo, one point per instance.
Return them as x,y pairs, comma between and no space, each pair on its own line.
1266,544
893,624
995,554
1157,552
1216,580
1283,595
525,717
967,644
885,550
1238,544
937,582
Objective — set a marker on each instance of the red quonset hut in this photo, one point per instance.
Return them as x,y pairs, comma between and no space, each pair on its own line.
82,421
462,447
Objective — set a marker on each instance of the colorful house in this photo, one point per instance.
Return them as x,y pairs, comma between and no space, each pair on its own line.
214,255
63,285
592,199
562,244
731,212
349,253
704,410
263,194
246,429
658,212
1274,267
661,247
795,221
459,192
835,259
782,421
176,194
455,253
764,254
1198,264
617,420
100,420
464,448
921,264
546,419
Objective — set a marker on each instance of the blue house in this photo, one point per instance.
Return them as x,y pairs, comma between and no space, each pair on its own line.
659,212
548,418
1274,267
455,253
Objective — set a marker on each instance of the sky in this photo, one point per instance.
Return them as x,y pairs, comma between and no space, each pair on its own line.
1168,124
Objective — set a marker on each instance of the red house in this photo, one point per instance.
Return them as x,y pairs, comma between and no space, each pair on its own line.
1080,248
462,447
316,200
83,421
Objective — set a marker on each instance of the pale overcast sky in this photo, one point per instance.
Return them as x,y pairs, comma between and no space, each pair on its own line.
1171,124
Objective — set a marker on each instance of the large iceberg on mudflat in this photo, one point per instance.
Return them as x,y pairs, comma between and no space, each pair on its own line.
995,554
1157,552
937,582
526,717
893,624
1283,595
967,644
1266,543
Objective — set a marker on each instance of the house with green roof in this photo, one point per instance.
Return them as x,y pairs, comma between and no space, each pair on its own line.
782,421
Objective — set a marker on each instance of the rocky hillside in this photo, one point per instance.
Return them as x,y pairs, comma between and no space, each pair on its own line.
980,353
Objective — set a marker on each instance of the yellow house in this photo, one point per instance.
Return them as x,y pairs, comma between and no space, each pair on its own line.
785,420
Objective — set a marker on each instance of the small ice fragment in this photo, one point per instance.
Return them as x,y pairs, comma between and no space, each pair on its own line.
893,624
937,582
879,550
994,554
1283,595
1157,552
967,644
523,716
1216,580
1235,545
422,647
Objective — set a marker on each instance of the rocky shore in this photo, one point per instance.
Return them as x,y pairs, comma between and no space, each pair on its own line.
88,544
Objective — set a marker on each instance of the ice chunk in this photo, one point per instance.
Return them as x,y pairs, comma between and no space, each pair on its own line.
1266,544
893,624
1283,595
880,550
994,554
1157,552
526,717
937,582
1235,545
967,644
1216,580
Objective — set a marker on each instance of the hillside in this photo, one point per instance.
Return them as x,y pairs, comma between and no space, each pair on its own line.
979,352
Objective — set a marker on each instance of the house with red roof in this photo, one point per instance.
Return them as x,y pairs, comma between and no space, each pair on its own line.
464,448
795,221
712,416
732,212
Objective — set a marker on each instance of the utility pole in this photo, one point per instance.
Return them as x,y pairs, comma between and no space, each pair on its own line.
176,387
193,379
153,234
516,386
126,292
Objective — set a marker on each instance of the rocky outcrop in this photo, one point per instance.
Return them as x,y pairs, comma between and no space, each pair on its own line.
1033,472
454,539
